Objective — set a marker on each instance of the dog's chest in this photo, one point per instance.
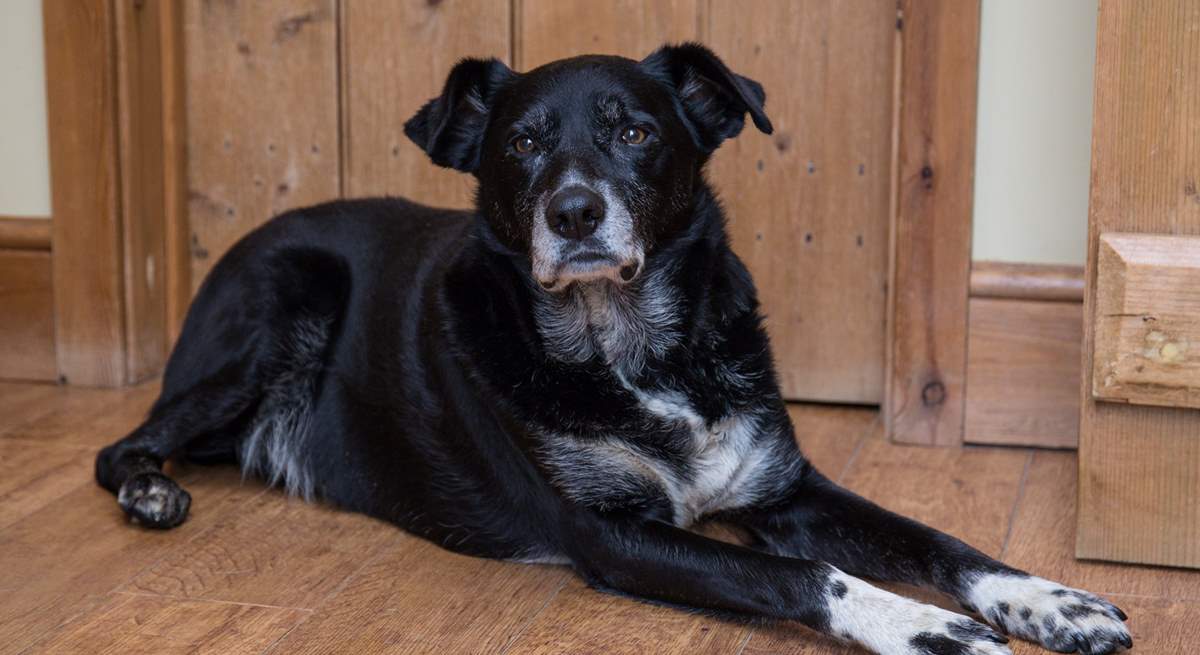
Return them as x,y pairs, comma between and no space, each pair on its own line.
699,467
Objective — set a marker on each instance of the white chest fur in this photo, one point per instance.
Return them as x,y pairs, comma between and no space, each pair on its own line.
723,462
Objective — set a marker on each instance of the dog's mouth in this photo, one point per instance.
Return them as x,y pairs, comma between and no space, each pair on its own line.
588,265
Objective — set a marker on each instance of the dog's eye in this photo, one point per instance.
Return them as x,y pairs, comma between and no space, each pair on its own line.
523,145
633,135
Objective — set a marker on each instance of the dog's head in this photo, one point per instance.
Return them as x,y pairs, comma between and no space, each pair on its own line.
585,164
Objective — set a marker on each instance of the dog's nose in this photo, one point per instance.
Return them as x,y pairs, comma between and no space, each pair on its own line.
575,212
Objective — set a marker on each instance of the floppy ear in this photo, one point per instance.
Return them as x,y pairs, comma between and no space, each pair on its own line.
715,98
450,127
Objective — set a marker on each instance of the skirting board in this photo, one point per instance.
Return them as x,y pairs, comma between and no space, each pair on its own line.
1023,360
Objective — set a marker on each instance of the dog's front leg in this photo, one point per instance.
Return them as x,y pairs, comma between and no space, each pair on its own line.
820,520
660,562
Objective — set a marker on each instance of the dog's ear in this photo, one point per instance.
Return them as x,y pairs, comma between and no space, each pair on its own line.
450,127
715,98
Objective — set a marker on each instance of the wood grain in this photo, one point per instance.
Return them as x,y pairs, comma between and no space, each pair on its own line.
1026,281
130,624
553,29
27,317
141,156
1140,466
1023,373
579,620
24,233
1147,323
967,492
830,436
931,226
1040,542
396,56
417,597
177,255
809,206
262,116
273,550
90,418
33,475
57,558
81,111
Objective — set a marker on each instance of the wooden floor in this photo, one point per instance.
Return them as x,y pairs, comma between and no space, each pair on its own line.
255,572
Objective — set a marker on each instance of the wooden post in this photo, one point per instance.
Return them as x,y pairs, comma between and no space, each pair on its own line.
1139,466
931,221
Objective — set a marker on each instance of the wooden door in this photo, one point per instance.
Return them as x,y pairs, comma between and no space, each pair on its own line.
1139,451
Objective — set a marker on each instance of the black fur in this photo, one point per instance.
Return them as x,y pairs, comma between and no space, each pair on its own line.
394,359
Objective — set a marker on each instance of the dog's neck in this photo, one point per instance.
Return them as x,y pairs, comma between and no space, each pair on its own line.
623,326
628,326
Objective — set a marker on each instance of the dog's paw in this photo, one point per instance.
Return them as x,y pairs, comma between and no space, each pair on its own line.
890,624
154,500
956,635
1062,619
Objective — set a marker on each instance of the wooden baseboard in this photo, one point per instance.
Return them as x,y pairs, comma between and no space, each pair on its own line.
1024,339
24,233
27,317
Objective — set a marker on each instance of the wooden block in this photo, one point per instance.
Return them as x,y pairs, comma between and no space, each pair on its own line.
1147,325
931,223
273,550
419,598
1023,373
582,620
1140,465
262,116
27,317
552,29
809,205
134,625
396,56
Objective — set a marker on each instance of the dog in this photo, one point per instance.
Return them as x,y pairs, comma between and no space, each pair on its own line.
574,372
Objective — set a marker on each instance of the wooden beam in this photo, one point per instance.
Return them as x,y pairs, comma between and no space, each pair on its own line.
140,153
177,252
24,233
931,222
1139,466
81,105
1026,281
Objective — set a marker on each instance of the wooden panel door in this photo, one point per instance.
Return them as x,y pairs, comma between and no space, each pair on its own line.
1139,465
395,57
262,116
808,206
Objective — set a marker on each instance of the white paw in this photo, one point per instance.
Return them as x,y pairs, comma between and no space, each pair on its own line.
1059,618
893,625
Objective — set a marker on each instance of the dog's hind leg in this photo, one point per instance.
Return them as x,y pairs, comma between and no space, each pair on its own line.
132,467
234,343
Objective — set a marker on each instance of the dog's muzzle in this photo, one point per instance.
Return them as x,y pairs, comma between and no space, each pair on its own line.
585,234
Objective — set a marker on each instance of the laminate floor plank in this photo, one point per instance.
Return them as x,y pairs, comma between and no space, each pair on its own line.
132,624
418,598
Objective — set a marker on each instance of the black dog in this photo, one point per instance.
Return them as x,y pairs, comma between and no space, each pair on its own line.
574,372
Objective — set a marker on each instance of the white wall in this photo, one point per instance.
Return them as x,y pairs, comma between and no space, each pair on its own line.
1033,149
24,160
